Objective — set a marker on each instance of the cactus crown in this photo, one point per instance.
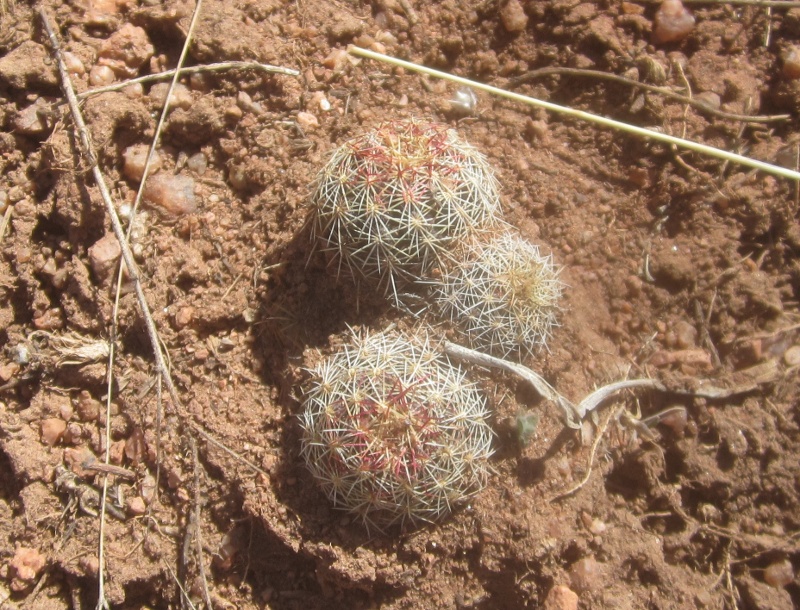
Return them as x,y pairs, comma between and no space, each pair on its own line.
392,203
394,432
503,295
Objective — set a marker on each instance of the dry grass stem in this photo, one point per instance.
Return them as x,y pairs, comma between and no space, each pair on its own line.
4,222
216,67
198,537
600,433
196,427
582,115
665,91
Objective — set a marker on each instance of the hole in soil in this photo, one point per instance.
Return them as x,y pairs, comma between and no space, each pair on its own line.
10,486
675,461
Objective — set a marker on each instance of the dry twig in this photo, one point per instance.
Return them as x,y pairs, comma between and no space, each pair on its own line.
166,74
665,91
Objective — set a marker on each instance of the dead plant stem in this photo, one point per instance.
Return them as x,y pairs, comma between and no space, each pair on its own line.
198,536
665,91
166,74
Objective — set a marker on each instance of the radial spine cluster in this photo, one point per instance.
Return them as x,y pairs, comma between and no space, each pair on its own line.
390,204
502,295
393,431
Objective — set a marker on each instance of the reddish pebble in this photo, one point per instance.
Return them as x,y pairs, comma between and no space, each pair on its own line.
173,195
673,22
135,506
561,598
103,256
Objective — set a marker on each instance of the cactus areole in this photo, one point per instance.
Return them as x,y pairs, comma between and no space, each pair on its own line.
394,432
391,203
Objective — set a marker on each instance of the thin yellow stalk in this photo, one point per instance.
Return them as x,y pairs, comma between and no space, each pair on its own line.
586,116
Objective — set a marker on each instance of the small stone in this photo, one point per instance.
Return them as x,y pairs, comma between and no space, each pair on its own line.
73,434
76,457
779,574
126,51
345,28
101,76
513,16
586,574
134,159
135,506
25,567
104,255
198,163
792,356
148,488
673,22
87,408
34,120
116,452
53,430
307,121
685,334
184,316
28,66
561,598
173,195
74,64
791,63
8,370
336,60
181,96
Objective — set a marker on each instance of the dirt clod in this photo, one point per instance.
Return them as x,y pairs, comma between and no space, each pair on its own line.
28,65
25,567
53,429
561,597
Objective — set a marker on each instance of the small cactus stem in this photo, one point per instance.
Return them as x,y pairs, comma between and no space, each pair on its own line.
390,205
393,431
502,295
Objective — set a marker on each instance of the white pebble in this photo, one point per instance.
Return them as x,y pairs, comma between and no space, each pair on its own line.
100,76
197,163
792,356
181,95
74,64
307,121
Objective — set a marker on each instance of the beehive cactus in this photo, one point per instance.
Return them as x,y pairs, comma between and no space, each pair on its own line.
502,295
393,431
390,204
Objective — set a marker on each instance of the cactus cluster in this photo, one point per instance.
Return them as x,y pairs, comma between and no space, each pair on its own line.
502,295
393,431
390,204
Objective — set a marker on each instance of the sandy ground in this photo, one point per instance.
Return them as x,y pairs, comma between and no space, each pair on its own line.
677,267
